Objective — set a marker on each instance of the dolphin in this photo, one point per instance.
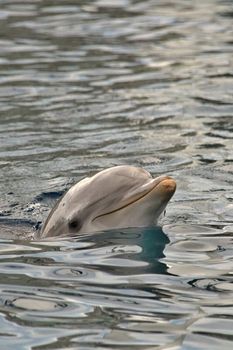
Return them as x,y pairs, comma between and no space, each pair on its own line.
118,197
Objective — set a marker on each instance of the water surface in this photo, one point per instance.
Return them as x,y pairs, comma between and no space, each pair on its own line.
85,85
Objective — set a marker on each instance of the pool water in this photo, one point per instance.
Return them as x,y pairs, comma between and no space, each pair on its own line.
85,85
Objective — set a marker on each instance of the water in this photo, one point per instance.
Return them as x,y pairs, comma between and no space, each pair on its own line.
85,85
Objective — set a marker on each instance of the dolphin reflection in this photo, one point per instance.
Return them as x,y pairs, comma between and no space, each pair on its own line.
118,197
131,251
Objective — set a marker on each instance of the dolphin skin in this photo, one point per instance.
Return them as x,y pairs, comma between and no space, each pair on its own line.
118,197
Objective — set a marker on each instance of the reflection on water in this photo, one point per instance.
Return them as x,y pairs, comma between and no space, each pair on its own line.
130,288
85,85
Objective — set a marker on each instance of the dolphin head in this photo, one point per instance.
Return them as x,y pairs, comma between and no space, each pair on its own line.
121,196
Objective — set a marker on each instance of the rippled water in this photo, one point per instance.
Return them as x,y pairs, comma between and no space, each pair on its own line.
85,85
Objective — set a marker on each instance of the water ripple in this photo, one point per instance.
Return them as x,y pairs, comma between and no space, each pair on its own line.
87,85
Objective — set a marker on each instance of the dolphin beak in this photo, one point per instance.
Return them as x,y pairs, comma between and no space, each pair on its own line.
166,187
161,189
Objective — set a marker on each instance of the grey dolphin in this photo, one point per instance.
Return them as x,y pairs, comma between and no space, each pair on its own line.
121,196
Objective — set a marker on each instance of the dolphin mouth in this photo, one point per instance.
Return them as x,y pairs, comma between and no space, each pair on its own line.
167,191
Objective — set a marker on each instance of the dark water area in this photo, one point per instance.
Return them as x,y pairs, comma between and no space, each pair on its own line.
85,85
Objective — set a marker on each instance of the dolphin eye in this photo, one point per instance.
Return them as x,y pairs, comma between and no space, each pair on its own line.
74,224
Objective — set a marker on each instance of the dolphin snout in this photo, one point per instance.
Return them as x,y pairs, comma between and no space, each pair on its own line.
166,188
169,185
